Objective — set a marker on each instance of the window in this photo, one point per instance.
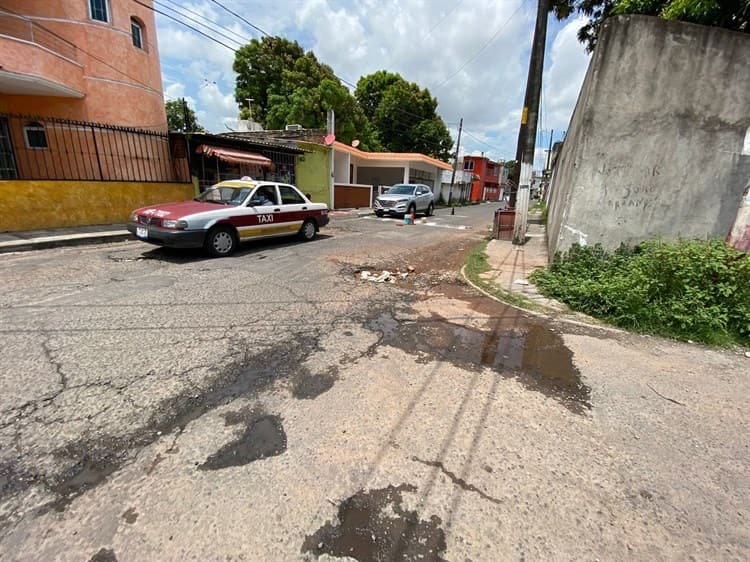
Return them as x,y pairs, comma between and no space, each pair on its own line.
469,165
99,10
136,30
35,135
7,162
289,196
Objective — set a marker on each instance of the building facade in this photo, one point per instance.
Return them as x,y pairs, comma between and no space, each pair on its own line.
82,114
491,176
54,63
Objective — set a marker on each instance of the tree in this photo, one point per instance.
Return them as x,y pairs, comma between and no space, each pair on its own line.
511,166
729,14
176,117
260,66
403,115
288,85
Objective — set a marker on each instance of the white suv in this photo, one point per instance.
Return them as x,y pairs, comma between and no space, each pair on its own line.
405,198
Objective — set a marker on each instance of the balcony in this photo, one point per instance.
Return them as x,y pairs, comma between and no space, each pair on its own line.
37,62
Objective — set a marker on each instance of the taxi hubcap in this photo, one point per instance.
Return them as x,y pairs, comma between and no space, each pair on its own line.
223,242
309,230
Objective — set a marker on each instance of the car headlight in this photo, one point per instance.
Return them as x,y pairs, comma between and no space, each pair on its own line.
174,223
133,217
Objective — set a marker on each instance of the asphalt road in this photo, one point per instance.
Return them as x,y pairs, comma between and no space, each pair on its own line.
159,405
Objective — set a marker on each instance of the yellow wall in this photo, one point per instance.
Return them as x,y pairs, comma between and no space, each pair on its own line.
38,204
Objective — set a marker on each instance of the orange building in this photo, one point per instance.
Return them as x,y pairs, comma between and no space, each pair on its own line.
83,130
86,60
491,175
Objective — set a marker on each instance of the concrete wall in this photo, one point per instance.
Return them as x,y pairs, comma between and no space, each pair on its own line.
29,205
654,148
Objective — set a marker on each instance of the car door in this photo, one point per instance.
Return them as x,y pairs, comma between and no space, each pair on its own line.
294,208
422,197
262,213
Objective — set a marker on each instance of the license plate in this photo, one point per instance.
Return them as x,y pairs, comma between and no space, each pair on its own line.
141,232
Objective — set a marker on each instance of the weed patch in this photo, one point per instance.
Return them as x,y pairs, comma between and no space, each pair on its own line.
697,290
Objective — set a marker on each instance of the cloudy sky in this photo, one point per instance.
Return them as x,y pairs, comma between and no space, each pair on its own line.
473,56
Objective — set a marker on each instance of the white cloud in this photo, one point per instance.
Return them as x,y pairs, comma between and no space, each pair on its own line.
426,42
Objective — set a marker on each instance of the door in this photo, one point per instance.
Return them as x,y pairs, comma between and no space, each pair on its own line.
261,216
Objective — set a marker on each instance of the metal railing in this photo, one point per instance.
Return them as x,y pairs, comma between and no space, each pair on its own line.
19,27
44,148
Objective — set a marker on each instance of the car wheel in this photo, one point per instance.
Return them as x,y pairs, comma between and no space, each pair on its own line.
379,213
221,242
430,209
308,230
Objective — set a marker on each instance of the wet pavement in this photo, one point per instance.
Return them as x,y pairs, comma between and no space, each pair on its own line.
275,406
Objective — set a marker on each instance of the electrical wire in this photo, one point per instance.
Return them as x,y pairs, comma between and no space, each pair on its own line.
487,44
239,41
240,17
185,24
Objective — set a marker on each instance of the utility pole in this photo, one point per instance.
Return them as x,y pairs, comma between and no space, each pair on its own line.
185,122
549,152
519,197
455,160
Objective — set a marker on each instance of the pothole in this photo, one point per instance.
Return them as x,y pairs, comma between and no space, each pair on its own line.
373,526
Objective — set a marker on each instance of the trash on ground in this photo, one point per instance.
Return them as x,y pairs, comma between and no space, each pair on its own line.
383,277
520,282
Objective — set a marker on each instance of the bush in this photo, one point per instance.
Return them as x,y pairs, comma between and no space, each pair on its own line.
688,289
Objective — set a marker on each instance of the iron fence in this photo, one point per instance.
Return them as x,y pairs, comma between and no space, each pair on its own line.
44,148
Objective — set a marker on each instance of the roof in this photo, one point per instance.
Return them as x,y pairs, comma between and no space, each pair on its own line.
398,156
235,156
240,142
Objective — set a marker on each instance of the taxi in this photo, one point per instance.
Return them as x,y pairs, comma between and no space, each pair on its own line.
228,213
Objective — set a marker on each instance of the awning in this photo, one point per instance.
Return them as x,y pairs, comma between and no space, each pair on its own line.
234,156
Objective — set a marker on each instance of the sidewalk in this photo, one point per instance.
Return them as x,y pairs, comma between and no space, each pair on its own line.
511,265
56,237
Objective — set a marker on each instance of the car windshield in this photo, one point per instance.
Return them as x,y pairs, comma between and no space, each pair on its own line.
401,190
224,195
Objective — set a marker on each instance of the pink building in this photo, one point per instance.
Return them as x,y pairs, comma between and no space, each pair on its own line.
86,60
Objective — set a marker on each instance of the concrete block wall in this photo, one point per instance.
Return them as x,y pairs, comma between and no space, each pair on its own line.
655,147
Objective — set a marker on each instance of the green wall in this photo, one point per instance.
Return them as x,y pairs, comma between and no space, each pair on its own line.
314,172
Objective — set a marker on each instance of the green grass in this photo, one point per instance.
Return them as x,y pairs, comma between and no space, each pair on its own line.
476,264
690,290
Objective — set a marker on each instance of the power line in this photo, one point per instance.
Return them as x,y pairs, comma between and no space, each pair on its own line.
243,19
481,141
491,39
209,27
185,24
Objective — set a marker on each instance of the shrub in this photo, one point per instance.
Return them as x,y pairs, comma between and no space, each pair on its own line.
697,290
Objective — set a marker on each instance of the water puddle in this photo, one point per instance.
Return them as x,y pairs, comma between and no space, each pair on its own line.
306,385
514,347
104,555
373,526
263,437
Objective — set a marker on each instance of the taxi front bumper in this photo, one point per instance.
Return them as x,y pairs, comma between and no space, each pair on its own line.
167,236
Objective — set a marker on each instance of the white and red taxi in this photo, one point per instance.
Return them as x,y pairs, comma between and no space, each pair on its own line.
227,213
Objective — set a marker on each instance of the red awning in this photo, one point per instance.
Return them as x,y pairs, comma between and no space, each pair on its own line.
234,156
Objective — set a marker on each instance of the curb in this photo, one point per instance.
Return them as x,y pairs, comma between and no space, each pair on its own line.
552,315
47,242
